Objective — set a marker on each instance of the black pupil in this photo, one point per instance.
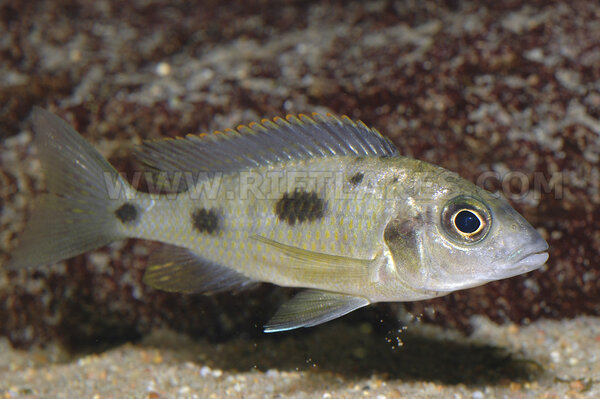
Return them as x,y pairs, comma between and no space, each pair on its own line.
467,222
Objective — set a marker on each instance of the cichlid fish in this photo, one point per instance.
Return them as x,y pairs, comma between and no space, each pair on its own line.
321,203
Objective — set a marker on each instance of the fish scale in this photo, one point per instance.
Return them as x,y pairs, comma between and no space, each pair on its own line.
349,227
321,203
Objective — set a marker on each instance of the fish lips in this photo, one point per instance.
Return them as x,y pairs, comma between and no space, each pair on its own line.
527,258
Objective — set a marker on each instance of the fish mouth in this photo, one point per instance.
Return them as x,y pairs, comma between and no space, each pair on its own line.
529,257
525,259
533,261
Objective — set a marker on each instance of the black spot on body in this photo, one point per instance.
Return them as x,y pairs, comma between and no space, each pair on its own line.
299,207
357,178
127,213
205,221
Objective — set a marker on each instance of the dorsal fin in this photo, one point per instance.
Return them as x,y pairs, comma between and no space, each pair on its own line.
269,142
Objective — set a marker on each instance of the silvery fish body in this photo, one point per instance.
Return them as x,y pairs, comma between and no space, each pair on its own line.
321,203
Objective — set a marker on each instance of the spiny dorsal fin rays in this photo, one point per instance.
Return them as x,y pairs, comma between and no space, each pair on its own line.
272,141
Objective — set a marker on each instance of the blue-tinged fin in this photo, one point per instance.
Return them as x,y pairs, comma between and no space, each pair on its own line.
312,307
177,269
271,141
77,213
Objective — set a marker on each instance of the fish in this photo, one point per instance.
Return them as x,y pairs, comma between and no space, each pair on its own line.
321,203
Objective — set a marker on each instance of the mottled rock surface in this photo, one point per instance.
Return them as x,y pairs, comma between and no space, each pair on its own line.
505,93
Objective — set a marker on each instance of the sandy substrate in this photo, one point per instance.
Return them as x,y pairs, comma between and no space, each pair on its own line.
547,359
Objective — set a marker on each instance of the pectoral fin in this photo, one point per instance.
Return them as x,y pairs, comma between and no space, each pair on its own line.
311,307
312,266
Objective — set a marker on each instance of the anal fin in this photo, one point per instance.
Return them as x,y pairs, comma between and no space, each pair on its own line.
312,307
177,269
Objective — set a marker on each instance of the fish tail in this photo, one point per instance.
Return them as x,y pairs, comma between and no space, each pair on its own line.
80,209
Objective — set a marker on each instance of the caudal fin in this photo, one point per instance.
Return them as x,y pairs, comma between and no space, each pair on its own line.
77,213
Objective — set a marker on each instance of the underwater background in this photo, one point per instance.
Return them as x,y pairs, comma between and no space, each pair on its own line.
505,93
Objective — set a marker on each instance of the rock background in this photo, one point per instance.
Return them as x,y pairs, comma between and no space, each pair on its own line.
477,87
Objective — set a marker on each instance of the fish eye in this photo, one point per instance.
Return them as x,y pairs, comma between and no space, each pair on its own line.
466,220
